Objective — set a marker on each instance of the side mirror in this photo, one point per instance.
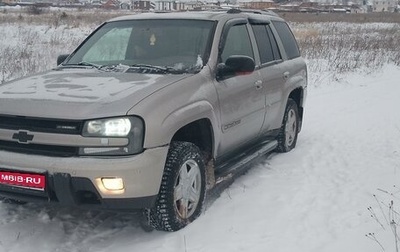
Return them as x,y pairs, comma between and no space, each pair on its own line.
236,65
61,58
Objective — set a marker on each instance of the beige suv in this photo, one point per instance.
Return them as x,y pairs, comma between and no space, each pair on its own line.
153,112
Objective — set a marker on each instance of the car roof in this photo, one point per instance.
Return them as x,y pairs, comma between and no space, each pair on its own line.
213,15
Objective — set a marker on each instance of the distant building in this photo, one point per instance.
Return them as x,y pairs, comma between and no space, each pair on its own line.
144,5
258,4
194,5
9,2
96,3
111,4
126,6
165,5
384,5
301,7
211,5
169,5
291,7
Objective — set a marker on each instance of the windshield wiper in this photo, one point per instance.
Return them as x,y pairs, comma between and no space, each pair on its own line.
143,68
84,63
154,68
106,68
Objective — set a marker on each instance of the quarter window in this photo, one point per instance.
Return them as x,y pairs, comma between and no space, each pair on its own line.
288,40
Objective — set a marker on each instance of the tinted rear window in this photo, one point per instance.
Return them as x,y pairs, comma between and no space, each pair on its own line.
266,42
263,43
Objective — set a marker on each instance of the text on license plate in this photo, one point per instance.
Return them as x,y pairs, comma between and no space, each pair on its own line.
26,180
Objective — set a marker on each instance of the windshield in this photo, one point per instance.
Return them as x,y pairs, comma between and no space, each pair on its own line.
147,45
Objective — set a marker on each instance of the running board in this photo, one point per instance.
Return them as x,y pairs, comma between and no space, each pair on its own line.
226,173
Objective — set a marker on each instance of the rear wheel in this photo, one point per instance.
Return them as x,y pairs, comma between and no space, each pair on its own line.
287,137
182,190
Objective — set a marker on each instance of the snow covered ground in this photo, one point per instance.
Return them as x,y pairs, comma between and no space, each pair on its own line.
313,199
317,198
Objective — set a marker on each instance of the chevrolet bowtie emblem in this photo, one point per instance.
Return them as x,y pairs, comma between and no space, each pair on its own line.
22,137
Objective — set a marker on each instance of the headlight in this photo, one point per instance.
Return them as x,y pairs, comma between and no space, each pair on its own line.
129,127
118,127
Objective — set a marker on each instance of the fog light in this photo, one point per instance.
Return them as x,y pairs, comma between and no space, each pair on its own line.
113,184
110,185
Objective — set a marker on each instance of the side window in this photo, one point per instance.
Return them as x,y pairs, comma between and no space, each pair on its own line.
274,45
287,38
237,43
263,43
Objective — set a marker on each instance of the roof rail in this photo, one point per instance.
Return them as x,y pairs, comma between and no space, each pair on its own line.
253,11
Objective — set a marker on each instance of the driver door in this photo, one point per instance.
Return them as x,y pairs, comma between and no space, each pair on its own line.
241,98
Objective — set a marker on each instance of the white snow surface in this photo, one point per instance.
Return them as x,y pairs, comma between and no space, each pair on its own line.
312,199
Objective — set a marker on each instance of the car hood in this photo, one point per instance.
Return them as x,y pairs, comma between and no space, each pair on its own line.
79,93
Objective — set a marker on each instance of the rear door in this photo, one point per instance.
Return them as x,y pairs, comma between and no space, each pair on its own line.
272,72
293,65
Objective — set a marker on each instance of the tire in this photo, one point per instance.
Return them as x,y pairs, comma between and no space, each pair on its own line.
176,205
288,133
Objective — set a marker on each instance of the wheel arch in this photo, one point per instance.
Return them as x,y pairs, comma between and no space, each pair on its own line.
199,132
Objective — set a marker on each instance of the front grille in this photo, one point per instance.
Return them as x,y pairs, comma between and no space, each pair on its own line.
39,149
40,125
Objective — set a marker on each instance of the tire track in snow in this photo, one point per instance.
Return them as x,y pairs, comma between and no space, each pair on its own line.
74,230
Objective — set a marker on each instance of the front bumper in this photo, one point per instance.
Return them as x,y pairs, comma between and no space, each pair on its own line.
72,181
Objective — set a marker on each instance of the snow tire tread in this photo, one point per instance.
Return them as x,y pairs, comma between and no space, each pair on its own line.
163,216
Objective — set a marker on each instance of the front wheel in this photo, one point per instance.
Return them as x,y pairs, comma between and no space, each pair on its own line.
287,137
182,190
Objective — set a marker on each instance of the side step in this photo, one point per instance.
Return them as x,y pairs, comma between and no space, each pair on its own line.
228,172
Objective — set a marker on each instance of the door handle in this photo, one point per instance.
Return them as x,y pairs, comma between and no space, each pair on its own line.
286,75
258,84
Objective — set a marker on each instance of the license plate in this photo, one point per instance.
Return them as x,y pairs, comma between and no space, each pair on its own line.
23,180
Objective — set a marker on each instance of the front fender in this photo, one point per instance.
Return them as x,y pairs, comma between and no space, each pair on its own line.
177,105
188,114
